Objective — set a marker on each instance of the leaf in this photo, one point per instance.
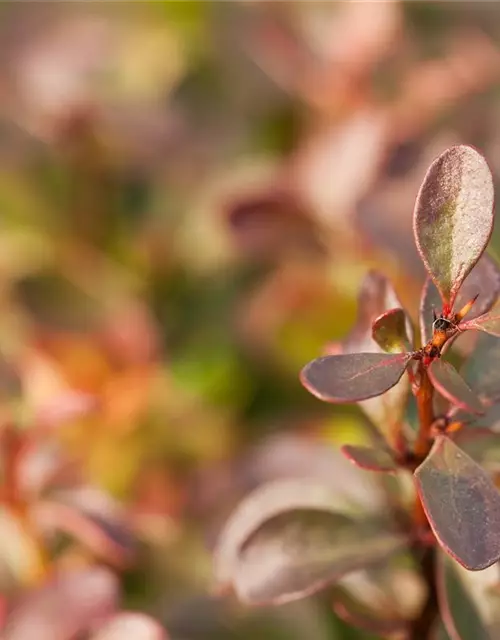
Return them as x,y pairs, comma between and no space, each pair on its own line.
462,505
369,458
459,613
483,281
453,217
489,323
389,331
353,377
453,387
376,296
429,301
131,625
70,605
286,541
482,368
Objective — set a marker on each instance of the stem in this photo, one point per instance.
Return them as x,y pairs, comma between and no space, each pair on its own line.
421,628
425,413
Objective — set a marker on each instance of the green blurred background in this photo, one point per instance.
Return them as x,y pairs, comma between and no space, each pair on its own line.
190,196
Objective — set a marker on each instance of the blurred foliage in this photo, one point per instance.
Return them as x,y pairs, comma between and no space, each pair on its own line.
190,196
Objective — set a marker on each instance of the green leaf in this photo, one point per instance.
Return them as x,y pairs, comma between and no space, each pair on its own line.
453,217
353,377
462,505
390,333
275,557
453,387
370,458
459,613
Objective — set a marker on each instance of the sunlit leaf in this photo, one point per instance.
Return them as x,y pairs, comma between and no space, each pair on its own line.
370,458
389,331
462,505
459,613
453,387
353,377
70,605
453,217
482,368
131,625
276,550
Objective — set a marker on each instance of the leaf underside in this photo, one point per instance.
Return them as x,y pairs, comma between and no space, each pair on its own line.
353,377
462,505
453,387
489,323
453,217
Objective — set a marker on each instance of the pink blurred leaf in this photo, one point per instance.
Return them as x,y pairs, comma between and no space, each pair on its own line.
356,614
286,541
389,331
453,217
462,505
459,613
71,604
369,458
453,387
353,377
105,537
136,626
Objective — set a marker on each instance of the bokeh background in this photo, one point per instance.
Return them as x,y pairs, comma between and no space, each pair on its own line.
190,196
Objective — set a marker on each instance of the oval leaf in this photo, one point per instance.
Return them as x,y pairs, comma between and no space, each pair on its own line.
462,505
482,368
459,613
453,387
369,458
353,377
265,502
453,217
489,323
297,553
286,541
389,331
356,614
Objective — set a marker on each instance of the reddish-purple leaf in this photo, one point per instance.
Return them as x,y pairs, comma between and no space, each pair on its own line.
489,323
72,604
430,301
462,505
453,217
274,551
390,331
353,377
369,458
453,387
459,613
482,368
135,626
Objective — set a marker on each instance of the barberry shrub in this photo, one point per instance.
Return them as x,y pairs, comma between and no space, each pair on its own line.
288,539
